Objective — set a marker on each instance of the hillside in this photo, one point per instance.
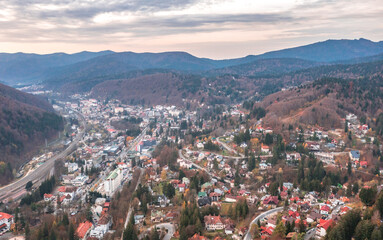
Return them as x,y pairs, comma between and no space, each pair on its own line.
266,67
164,86
295,78
126,64
25,122
158,88
325,102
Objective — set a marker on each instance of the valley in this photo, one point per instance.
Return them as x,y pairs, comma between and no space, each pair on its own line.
282,145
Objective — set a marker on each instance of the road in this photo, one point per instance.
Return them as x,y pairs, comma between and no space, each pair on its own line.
17,188
229,148
195,165
223,156
168,226
311,233
259,217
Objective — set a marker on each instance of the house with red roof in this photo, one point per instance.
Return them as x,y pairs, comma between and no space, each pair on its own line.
213,223
325,210
267,231
197,237
6,220
363,164
265,149
66,190
284,195
270,201
344,210
48,197
181,187
83,230
294,214
323,226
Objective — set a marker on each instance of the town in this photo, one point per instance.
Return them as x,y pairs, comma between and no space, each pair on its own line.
166,172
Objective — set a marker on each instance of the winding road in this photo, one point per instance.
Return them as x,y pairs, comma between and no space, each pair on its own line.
229,148
259,217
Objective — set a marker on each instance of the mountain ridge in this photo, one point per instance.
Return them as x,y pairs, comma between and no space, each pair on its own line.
35,68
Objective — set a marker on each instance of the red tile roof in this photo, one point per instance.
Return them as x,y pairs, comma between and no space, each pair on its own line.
5,215
271,200
197,237
213,220
83,228
325,208
46,195
325,223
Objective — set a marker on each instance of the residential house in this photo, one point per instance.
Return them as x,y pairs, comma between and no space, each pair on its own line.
270,201
214,196
204,201
102,227
354,155
72,167
290,157
181,187
48,197
325,210
265,149
6,220
323,226
213,223
83,230
313,216
197,237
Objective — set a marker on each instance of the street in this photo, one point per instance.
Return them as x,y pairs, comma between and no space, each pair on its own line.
17,188
259,217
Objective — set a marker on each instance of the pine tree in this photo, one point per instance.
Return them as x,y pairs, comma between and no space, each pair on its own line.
251,163
52,235
27,232
130,232
155,235
376,234
279,231
71,232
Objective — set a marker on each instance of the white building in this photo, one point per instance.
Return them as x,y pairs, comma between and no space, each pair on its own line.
112,182
102,227
72,167
6,220
80,180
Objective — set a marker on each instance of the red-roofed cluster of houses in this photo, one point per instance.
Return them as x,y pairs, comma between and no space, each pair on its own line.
86,230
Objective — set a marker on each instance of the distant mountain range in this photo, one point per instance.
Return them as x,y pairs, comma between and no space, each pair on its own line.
61,68
25,122
29,68
171,77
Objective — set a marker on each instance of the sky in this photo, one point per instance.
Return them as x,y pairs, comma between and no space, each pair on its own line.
216,29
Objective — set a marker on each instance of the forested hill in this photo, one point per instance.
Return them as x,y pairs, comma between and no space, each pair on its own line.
25,122
326,102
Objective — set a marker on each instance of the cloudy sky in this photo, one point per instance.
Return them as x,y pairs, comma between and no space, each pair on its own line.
206,28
